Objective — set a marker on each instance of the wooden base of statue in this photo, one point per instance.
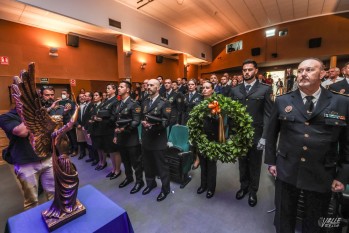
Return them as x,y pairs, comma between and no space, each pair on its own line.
54,223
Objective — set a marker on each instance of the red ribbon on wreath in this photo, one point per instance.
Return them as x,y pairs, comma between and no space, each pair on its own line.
216,110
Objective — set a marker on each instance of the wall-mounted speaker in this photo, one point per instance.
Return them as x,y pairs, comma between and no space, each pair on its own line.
256,51
315,42
159,59
72,40
274,55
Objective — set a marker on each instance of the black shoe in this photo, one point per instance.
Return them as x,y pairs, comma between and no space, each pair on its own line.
125,182
81,157
241,194
162,196
94,163
101,167
110,174
114,176
201,190
252,199
137,187
89,160
148,189
209,194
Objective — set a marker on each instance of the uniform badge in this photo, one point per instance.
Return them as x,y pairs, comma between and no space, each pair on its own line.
288,109
342,91
170,99
138,110
168,110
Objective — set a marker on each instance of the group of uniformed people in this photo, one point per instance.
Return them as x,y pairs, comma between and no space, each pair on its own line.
301,131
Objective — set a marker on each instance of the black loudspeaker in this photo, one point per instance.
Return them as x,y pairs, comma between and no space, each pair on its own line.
315,42
256,51
159,59
274,55
72,40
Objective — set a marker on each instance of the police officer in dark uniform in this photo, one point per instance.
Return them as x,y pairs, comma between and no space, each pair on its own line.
156,117
342,86
127,114
191,99
103,128
144,93
258,99
176,101
308,149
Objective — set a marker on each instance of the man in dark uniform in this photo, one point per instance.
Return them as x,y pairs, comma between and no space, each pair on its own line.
258,99
176,101
156,117
162,86
342,86
144,93
225,88
183,87
127,114
310,126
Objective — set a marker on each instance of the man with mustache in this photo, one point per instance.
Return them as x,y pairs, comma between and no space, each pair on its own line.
308,149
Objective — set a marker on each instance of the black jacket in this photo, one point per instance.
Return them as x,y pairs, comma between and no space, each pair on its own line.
130,110
307,155
176,101
104,111
155,138
189,105
259,104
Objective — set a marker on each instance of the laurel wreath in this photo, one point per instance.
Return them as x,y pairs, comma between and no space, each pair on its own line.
240,130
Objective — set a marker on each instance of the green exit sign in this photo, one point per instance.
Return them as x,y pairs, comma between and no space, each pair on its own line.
43,80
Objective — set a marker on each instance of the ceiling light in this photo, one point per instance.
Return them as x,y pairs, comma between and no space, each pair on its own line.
270,32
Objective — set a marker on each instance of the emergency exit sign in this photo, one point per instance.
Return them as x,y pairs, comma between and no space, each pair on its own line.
4,60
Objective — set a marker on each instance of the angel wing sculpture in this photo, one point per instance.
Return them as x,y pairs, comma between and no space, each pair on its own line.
48,136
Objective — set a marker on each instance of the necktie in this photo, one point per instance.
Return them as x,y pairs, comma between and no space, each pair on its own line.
247,87
309,104
150,103
190,96
167,95
122,104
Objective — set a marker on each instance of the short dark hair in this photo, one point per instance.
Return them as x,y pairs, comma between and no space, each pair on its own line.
193,80
250,61
211,83
43,88
128,84
184,79
112,85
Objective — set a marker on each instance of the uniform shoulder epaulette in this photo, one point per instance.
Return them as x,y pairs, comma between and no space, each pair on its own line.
339,93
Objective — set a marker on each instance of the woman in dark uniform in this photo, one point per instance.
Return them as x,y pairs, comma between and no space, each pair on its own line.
103,138
192,98
208,167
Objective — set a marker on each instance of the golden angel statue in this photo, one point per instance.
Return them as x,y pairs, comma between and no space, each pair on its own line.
48,136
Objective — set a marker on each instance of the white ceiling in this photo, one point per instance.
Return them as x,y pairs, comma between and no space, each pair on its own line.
209,21
213,21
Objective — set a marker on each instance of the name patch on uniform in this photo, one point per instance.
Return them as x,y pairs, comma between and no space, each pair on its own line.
168,110
288,108
138,110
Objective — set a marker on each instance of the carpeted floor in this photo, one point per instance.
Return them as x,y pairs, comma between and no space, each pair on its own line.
182,211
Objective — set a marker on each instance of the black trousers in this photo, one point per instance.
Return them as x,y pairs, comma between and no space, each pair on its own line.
286,198
72,139
155,163
92,153
208,173
132,157
82,148
250,169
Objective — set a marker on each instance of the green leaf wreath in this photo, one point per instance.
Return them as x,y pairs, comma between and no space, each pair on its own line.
240,130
